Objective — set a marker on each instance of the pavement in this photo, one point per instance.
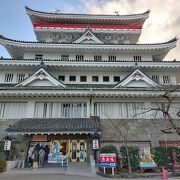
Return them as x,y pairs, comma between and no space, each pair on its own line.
82,169
73,170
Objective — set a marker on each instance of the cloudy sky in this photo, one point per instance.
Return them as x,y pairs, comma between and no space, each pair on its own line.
162,25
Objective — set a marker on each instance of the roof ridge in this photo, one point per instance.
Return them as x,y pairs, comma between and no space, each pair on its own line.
51,13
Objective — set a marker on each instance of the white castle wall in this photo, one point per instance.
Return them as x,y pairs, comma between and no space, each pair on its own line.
88,56
89,75
114,108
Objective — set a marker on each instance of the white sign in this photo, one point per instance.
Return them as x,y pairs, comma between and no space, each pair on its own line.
95,144
7,145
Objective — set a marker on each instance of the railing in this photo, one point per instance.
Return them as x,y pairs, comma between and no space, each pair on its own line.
84,26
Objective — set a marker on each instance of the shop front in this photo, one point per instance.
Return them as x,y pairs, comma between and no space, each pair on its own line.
63,146
63,139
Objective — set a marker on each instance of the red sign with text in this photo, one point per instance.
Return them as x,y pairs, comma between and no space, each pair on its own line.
108,157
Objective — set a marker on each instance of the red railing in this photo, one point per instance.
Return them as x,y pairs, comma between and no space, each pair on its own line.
83,26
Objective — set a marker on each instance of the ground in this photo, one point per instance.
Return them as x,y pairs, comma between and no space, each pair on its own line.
37,176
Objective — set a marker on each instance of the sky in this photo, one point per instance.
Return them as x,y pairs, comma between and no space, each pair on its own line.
162,24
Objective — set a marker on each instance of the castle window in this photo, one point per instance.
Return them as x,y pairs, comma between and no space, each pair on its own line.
116,78
79,57
137,58
105,78
97,58
95,78
20,77
166,79
61,78
155,78
111,58
38,56
72,78
64,57
8,77
83,78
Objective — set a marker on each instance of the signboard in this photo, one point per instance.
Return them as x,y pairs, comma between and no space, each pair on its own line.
39,138
108,160
7,145
95,144
102,164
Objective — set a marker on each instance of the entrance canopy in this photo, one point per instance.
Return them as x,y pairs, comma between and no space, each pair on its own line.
55,126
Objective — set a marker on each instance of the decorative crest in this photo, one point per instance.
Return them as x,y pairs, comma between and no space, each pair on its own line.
116,12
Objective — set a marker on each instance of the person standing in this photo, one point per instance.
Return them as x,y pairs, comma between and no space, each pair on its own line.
41,157
35,159
30,153
21,158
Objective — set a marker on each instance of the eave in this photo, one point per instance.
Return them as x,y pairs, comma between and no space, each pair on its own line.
9,92
57,65
18,48
45,17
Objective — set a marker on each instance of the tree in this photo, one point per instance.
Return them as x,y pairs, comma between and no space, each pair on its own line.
121,130
165,106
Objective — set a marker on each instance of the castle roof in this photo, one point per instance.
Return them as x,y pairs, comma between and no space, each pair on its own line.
17,48
46,17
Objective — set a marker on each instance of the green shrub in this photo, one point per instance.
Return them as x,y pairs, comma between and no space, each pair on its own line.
109,149
3,166
163,156
133,155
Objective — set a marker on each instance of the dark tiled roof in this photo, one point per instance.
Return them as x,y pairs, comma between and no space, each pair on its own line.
55,125
88,60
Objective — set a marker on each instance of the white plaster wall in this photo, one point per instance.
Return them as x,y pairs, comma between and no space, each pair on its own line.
106,103
89,75
138,84
88,56
41,83
15,73
29,55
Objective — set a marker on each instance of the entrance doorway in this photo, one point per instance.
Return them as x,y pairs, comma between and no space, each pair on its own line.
64,148
78,151
74,151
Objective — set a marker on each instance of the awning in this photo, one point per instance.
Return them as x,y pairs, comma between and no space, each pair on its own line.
56,126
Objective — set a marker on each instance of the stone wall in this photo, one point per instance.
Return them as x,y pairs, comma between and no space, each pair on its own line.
137,130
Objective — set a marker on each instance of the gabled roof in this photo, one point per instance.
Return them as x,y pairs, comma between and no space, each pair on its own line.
88,38
40,78
137,79
55,125
45,17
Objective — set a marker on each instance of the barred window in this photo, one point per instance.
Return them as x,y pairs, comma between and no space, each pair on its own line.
79,57
8,77
97,58
166,79
20,77
155,78
111,58
137,58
